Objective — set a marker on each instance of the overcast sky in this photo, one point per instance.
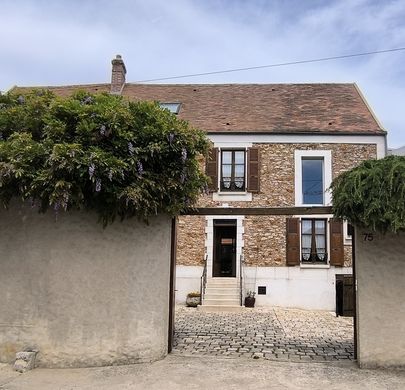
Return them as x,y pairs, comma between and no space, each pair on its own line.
73,42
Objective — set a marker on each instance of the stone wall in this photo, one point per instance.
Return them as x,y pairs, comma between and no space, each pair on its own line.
277,171
380,273
190,240
80,294
265,240
264,236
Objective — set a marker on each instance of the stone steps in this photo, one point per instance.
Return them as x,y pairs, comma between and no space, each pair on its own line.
218,308
221,294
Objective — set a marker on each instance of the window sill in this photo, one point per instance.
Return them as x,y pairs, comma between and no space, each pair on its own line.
316,266
232,196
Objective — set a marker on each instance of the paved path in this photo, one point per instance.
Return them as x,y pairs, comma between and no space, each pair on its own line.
178,372
274,334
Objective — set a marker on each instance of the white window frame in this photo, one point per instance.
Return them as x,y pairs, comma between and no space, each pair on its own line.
347,238
326,155
235,196
328,217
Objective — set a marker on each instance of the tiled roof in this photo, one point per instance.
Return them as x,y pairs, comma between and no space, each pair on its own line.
261,108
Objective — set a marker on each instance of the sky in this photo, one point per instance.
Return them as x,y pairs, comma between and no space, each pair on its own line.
73,42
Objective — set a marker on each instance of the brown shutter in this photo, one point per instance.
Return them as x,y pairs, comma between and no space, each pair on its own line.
253,170
212,169
293,242
337,257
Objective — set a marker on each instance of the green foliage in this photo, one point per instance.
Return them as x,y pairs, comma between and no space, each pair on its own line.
98,152
372,195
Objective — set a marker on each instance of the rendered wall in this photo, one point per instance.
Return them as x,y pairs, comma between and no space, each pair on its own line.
380,273
295,287
80,294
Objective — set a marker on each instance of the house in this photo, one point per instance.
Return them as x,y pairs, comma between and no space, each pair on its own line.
275,147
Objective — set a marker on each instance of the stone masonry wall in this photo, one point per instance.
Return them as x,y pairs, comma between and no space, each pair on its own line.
277,171
264,236
190,240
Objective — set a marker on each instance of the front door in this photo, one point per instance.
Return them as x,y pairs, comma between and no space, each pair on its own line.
224,264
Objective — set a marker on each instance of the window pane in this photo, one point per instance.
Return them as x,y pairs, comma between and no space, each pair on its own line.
306,226
172,107
239,157
312,181
226,171
239,170
320,242
226,157
319,227
226,182
239,182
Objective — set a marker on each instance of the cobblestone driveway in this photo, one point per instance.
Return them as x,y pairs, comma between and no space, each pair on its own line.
276,333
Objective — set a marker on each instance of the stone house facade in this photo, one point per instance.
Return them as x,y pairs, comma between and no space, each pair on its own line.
283,160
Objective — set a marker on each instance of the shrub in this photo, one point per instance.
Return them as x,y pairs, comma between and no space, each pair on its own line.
372,195
98,152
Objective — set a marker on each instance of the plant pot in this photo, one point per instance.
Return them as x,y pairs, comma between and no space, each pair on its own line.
250,302
193,301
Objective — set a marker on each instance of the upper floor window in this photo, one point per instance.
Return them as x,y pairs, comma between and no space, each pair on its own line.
313,177
312,180
172,107
232,170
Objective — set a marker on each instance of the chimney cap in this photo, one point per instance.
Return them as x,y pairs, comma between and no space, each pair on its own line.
118,61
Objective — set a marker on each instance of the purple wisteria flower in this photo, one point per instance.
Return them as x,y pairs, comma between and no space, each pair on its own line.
21,99
65,201
103,130
92,169
98,185
170,138
56,206
139,168
131,148
110,175
183,155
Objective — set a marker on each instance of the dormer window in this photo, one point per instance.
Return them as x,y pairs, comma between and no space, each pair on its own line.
172,107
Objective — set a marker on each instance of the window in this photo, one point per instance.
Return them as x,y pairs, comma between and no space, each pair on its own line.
313,177
313,241
232,170
172,107
347,232
312,181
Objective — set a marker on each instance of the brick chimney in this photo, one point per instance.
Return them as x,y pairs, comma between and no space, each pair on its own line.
118,75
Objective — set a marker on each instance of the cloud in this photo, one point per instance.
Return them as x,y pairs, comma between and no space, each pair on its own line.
73,42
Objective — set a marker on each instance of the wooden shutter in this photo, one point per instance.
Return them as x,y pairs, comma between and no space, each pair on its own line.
337,257
253,170
293,242
211,169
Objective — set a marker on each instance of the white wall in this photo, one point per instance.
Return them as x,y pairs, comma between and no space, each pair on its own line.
380,274
305,288
80,294
187,280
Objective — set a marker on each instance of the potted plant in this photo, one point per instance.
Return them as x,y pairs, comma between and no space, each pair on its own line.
250,299
193,299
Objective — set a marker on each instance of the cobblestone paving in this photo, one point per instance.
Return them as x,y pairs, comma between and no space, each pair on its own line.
275,334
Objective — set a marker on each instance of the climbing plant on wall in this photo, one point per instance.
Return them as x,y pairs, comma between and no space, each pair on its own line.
372,195
98,152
